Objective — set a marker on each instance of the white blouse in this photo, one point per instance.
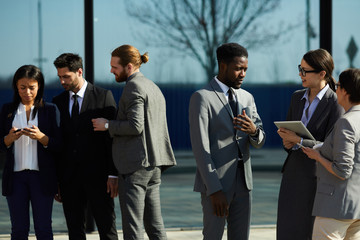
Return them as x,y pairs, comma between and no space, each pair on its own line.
25,148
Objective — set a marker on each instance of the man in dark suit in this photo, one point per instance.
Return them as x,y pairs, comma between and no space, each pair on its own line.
86,170
141,145
223,124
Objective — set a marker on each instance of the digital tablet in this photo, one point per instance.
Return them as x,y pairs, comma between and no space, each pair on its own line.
296,126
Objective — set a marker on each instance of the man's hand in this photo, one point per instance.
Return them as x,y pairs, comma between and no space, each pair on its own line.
243,123
99,124
58,196
219,204
113,187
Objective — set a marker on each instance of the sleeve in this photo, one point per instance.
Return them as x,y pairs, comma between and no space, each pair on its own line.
109,113
344,148
55,139
199,134
3,130
133,108
258,140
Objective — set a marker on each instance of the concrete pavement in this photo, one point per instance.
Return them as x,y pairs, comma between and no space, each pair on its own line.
184,221
256,233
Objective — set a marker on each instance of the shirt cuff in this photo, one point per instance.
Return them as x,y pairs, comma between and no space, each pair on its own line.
296,147
256,133
112,176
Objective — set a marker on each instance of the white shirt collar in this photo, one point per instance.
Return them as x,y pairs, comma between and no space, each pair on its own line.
223,87
81,92
320,94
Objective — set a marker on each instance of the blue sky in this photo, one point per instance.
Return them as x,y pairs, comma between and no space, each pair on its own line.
63,31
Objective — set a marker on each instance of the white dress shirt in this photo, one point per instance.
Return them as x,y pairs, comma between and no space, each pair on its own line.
25,148
225,89
80,97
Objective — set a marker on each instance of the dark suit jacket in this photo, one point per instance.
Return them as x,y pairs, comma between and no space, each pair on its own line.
320,124
49,124
86,153
298,186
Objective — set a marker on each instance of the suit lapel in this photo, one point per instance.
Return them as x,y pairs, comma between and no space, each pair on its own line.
300,109
220,94
320,108
41,116
64,103
239,106
87,97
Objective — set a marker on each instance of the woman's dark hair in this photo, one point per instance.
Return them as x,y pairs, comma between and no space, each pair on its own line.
34,73
350,81
321,60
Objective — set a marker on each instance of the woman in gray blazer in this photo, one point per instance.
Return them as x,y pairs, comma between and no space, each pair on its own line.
337,200
317,108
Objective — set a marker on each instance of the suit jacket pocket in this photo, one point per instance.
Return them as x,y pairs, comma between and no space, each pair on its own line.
327,189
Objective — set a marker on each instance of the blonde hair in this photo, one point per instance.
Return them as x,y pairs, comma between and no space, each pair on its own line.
129,54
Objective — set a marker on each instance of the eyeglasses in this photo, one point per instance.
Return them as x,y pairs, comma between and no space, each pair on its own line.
337,85
303,72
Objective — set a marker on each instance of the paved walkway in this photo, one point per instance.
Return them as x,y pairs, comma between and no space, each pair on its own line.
256,233
184,221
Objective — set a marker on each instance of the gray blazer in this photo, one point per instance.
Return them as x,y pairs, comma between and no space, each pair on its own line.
214,142
140,132
336,198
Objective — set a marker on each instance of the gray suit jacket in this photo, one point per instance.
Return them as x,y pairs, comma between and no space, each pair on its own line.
214,142
140,133
336,198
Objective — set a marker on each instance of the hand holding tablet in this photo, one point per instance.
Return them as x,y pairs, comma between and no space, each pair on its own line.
296,126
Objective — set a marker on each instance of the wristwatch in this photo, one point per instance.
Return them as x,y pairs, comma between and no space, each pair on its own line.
106,125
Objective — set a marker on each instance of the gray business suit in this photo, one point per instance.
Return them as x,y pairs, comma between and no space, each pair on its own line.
298,185
141,151
336,198
216,146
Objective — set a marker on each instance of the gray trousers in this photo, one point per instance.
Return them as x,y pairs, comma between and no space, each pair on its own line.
238,221
140,204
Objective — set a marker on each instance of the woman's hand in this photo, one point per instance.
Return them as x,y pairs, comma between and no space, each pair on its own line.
312,153
14,134
35,133
290,139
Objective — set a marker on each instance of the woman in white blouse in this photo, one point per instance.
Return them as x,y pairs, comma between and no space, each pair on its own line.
30,136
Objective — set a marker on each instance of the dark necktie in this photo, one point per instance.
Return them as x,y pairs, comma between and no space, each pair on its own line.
232,102
233,106
75,108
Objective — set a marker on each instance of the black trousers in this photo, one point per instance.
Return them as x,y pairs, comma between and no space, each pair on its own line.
76,196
